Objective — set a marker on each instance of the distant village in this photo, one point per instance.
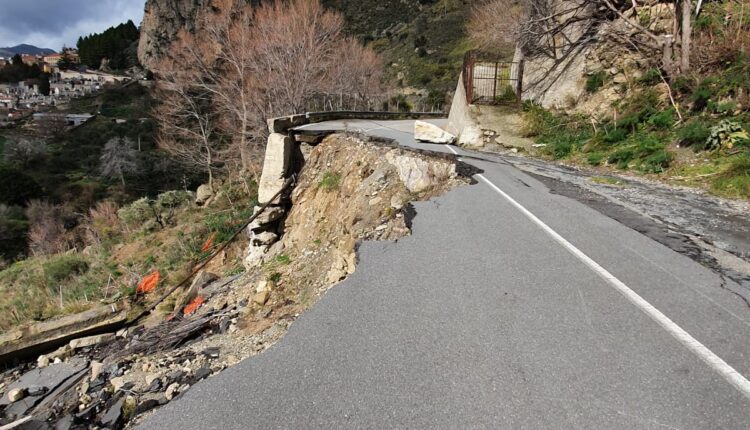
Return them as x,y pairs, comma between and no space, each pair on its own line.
22,100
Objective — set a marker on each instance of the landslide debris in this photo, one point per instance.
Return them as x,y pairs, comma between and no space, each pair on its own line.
351,188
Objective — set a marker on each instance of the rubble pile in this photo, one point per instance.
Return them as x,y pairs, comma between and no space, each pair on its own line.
350,189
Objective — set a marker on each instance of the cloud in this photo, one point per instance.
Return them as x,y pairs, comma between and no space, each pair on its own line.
54,23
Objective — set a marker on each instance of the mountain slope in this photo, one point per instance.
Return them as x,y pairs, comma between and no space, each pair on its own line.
24,49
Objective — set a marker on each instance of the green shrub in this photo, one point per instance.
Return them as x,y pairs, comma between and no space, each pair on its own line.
702,95
595,82
615,135
656,162
536,120
694,134
622,157
136,214
62,267
651,77
662,120
595,158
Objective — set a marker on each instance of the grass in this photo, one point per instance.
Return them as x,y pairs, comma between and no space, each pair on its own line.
607,180
30,289
734,180
330,181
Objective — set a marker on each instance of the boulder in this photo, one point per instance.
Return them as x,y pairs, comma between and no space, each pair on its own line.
271,214
275,167
418,174
265,238
426,132
261,298
16,394
203,194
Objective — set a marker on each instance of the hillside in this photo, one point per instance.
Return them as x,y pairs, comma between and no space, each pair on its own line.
422,41
24,49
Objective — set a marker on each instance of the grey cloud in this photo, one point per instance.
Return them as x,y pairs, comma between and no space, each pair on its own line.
52,23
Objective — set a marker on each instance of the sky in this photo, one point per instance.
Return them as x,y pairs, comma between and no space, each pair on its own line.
54,23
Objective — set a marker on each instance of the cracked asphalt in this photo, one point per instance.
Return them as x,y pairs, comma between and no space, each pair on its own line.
482,319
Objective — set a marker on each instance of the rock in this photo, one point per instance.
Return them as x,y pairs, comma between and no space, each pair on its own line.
146,405
261,298
16,394
65,423
376,201
396,202
203,194
264,239
201,280
271,214
471,137
42,361
426,132
172,390
418,174
89,341
263,286
117,383
212,352
36,391
112,418
201,374
162,21
620,79
154,386
275,167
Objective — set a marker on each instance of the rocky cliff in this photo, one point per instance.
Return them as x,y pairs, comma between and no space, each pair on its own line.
162,20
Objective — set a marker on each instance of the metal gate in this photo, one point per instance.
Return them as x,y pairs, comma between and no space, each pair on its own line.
492,82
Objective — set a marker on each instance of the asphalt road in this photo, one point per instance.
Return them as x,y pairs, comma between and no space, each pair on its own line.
508,307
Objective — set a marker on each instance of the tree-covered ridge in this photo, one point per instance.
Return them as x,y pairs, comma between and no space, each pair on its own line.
116,44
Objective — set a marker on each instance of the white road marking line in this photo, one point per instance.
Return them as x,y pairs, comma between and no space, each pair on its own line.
712,360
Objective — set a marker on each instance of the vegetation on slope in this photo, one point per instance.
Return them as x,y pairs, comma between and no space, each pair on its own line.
422,41
702,138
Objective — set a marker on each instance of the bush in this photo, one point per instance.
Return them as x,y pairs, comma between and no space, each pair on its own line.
656,162
137,213
536,120
662,120
693,134
651,77
615,135
622,157
702,95
595,82
726,135
62,267
595,158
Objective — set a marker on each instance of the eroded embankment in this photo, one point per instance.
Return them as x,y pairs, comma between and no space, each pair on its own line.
351,189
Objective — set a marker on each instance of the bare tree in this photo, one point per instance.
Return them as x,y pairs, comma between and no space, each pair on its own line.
187,117
46,228
119,158
24,151
558,29
249,64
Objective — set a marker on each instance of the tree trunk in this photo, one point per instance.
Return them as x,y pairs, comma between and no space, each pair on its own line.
686,30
